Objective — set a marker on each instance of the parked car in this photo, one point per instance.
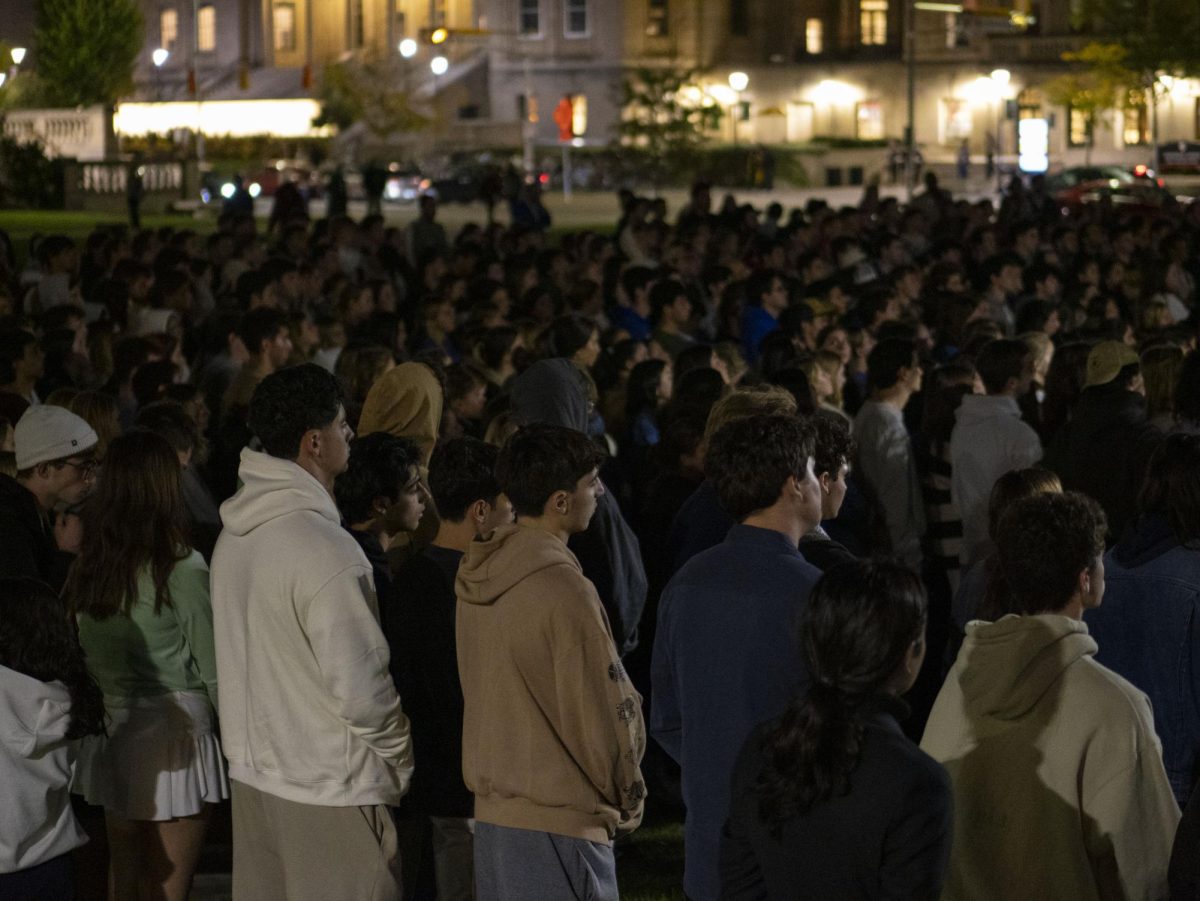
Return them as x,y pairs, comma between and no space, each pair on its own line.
1123,186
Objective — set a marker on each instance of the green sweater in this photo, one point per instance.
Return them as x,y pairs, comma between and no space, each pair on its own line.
143,654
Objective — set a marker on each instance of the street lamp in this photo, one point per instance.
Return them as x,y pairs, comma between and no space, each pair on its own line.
1000,79
439,64
408,48
738,81
159,57
18,55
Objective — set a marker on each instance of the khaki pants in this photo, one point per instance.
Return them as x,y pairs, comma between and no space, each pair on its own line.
286,851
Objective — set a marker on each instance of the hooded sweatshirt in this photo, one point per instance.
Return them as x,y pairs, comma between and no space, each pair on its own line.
36,823
553,392
552,727
308,710
988,440
1059,785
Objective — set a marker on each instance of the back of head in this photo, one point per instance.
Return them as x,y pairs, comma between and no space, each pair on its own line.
833,446
1016,485
462,472
406,402
289,403
744,402
259,325
541,459
1001,360
887,359
749,460
551,392
379,465
168,419
1171,488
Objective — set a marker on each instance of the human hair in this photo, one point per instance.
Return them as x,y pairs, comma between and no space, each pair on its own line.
289,403
1161,367
694,356
539,460
101,411
12,348
1187,389
999,361
747,401
759,284
461,380
1015,485
135,522
494,344
1042,544
259,325
358,368
380,464
1064,384
1171,487
568,334
663,294
859,623
461,472
749,460
38,640
641,393
169,419
833,445
886,360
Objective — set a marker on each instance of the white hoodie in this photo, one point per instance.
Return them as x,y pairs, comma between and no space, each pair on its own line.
36,823
308,710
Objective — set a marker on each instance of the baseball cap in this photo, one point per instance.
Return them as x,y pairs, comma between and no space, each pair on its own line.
1106,360
46,433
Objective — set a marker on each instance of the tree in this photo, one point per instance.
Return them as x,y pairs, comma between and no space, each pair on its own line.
1093,89
86,50
1158,35
666,115
352,92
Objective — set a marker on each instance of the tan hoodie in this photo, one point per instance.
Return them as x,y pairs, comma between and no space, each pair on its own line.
552,727
1059,785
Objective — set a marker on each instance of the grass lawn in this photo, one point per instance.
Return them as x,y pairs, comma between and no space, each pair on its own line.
22,225
650,862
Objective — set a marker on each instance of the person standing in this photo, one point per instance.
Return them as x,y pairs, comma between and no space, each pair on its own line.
300,654
552,727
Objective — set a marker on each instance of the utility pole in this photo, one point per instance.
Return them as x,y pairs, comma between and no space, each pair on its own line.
910,144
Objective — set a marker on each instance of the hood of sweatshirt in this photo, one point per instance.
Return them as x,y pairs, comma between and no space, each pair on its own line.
34,715
977,409
509,555
405,402
1007,666
553,392
271,488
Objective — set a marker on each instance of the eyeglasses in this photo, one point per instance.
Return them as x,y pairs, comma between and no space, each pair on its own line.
85,468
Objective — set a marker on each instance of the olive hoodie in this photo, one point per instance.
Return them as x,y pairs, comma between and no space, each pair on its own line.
552,727
1059,785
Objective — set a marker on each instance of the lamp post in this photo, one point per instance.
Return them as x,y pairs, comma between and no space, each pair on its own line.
738,81
159,57
18,55
1000,79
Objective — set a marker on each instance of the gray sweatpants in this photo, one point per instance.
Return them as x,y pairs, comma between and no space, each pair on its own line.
520,865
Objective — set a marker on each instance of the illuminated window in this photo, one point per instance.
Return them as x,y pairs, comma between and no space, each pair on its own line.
1137,121
953,32
168,29
284,18
814,36
872,22
1078,128
575,18
868,117
206,28
739,17
529,17
438,16
657,19
579,114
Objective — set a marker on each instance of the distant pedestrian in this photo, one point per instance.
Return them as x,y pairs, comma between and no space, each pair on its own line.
964,160
135,187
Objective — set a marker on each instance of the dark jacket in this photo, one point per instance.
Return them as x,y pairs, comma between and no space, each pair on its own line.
553,392
725,660
1103,449
823,552
701,523
887,837
27,546
1148,632
425,665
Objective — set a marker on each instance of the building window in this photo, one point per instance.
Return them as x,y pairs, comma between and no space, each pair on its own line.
956,120
575,18
529,17
168,29
206,28
814,36
955,36
579,118
1137,121
438,16
872,22
1078,128
284,21
355,30
657,19
868,117
739,17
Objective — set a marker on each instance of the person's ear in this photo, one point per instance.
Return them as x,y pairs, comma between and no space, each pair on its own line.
561,502
479,511
380,504
310,444
826,482
1085,581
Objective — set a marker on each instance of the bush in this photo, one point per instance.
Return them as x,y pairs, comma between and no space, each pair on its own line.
28,178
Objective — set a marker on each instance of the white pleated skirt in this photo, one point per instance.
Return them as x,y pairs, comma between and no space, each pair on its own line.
160,760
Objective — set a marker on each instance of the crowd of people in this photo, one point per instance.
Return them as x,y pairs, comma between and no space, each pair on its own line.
866,537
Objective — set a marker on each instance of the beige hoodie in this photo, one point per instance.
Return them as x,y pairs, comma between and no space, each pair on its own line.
552,727
1059,785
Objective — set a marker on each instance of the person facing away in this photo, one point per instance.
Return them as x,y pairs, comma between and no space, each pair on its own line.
990,438
463,483
1059,786
724,659
300,654
885,452
48,702
140,596
1146,628
832,800
552,731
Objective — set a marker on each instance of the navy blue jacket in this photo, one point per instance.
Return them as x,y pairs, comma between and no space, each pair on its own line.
1148,631
725,660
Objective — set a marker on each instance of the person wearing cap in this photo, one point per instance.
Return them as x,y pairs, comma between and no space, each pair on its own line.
1102,450
56,464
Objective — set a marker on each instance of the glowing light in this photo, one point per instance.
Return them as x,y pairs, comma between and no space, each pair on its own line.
439,64
739,81
439,36
227,190
408,48
723,94
255,189
834,92
939,7
237,118
159,56
18,55
982,90
1001,77
3,78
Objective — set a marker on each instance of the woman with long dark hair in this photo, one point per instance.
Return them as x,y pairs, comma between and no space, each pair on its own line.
47,702
831,800
140,595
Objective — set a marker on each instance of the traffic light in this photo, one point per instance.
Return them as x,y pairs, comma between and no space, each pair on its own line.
441,34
